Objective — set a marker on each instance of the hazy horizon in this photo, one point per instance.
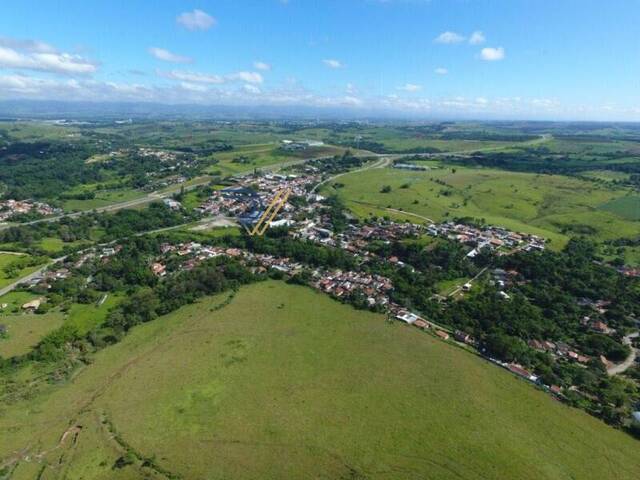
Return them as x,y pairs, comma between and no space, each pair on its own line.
436,59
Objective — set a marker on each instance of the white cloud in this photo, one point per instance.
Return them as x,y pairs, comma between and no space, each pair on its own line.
251,89
491,54
214,79
441,71
261,66
449,37
477,38
410,87
193,87
351,89
34,55
249,77
22,86
196,20
26,45
193,77
333,63
167,56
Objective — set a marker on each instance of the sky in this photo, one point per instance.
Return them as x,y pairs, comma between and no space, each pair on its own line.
511,59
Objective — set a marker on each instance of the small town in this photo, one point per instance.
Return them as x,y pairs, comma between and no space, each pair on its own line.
11,208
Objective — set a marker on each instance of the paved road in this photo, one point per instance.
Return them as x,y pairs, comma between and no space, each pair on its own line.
383,162
26,278
629,361
149,198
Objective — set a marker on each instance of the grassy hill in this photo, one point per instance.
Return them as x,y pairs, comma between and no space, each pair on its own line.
284,382
553,206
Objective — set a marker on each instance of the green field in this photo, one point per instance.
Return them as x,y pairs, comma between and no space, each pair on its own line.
264,155
102,199
286,383
6,259
553,206
25,331
53,245
626,207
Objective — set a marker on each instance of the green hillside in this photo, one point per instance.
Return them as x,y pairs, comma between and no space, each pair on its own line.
285,383
554,206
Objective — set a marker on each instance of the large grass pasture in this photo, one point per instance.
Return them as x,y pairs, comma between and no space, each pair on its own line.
553,206
286,383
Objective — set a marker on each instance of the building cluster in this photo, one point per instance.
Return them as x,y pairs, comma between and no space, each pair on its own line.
252,194
355,238
337,283
297,145
410,166
162,155
559,350
342,284
9,208
489,237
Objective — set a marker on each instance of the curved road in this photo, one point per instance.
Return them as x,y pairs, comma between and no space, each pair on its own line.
630,360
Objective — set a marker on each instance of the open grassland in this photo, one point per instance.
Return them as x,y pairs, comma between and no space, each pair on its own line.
38,131
286,383
246,158
24,331
102,199
589,146
53,245
405,139
553,206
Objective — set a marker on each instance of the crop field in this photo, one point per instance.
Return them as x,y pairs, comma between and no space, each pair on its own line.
553,206
626,207
286,383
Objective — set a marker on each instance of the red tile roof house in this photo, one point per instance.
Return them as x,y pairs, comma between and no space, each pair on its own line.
442,334
518,370
421,324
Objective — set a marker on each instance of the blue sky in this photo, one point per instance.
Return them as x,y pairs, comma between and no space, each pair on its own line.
563,59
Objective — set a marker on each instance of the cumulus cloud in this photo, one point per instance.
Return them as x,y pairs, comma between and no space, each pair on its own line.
196,20
449,38
23,86
195,77
251,89
167,56
491,54
441,71
410,87
333,63
35,55
26,45
261,66
477,38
